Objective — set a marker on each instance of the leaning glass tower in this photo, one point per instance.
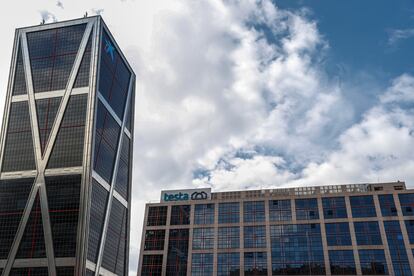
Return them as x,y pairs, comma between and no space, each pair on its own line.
66,152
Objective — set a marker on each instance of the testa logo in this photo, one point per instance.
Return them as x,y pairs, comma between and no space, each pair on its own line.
183,196
199,195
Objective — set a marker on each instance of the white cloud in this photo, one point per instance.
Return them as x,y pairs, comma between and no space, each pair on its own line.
396,35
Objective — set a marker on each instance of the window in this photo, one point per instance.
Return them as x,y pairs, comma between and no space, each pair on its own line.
387,205
297,249
254,211
202,264
154,240
151,265
338,234
397,248
342,262
46,114
204,214
367,233
409,225
407,204
334,207
255,263
254,236
280,210
180,214
362,206
19,86
203,238
228,237
373,262
177,252
228,264
157,215
229,212
307,208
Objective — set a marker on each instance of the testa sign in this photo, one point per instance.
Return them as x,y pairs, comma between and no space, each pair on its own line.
185,195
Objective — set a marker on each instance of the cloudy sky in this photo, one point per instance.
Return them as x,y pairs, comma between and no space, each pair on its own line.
256,94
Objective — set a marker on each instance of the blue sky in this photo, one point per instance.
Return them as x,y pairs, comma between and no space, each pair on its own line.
256,94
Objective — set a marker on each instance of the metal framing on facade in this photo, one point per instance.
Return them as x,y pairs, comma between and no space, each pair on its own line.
79,263
345,192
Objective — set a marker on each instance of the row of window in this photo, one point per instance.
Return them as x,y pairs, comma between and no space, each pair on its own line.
280,210
337,234
342,262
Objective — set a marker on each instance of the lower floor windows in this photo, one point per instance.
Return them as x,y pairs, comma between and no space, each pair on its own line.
202,264
255,263
342,262
373,262
151,265
228,264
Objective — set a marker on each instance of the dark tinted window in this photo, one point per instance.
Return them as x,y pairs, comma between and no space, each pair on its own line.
342,262
255,263
115,244
65,271
338,234
254,211
177,252
114,76
362,206
68,148
13,197
307,208
280,210
46,114
387,205
228,237
229,212
202,264
409,224
99,200
157,215
334,207
254,236
204,214
373,262
154,240
32,271
63,194
32,244
407,204
367,233
52,54
106,142
203,238
122,178
228,264
180,214
151,265
19,86
19,151
82,79
397,248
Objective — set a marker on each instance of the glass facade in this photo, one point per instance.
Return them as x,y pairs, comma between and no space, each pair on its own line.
303,233
63,135
407,204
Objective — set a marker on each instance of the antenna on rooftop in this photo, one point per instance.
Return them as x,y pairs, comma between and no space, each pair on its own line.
86,14
42,22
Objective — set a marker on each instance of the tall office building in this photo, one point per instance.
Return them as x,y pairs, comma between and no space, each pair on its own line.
359,229
66,148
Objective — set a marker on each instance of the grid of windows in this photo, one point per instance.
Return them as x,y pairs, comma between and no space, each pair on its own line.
409,225
387,205
99,200
202,264
180,214
115,244
229,212
254,211
254,236
154,240
297,249
373,262
70,138
177,252
338,234
151,265
307,208
65,271
203,238
204,214
255,263
362,206
32,244
228,264
114,76
280,210
122,177
407,204
18,150
367,233
228,237
82,79
106,142
52,54
63,194
334,207
46,114
19,86
13,196
342,262
32,271
397,248
157,215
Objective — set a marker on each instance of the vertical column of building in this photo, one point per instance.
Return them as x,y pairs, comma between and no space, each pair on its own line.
242,250
268,242
404,233
383,234
323,234
166,242
190,240
215,254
